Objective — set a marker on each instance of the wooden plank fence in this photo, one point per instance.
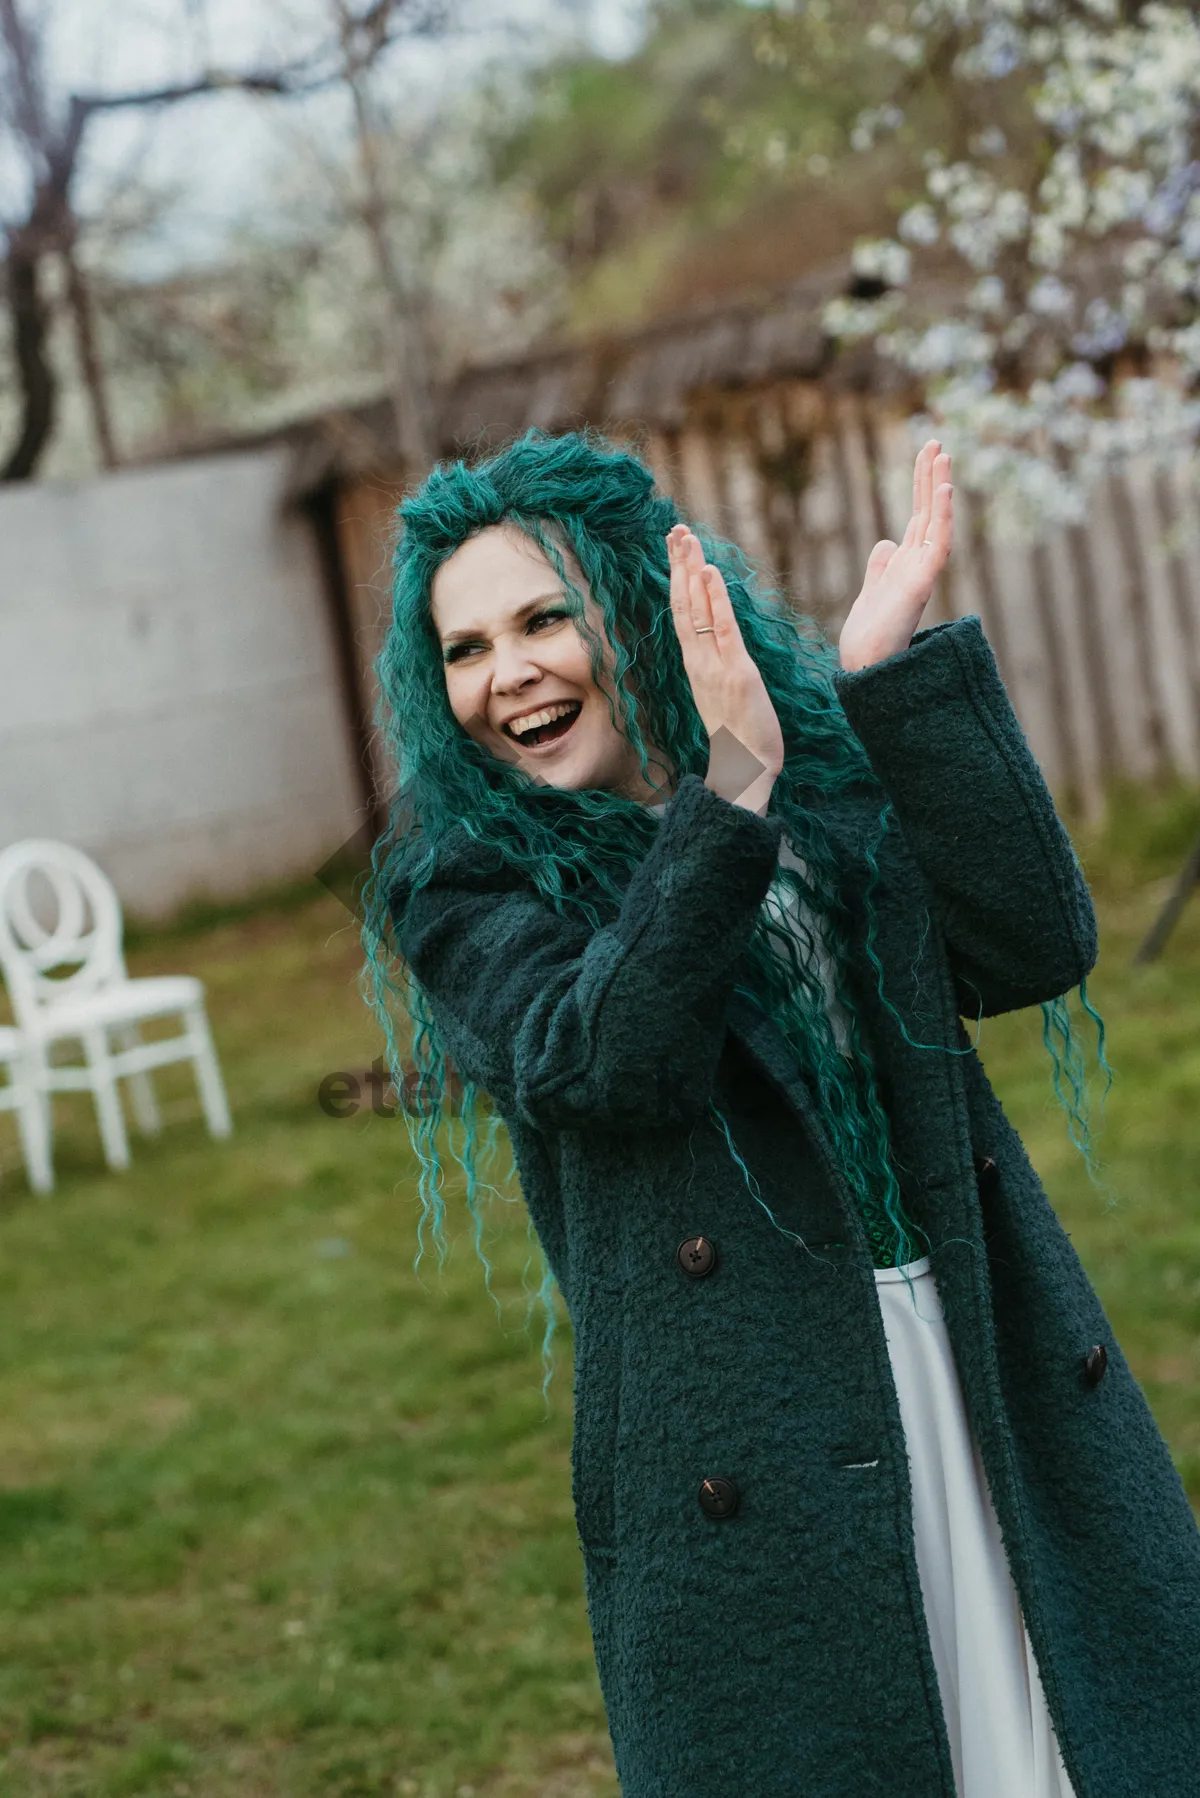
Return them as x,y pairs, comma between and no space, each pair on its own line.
1096,629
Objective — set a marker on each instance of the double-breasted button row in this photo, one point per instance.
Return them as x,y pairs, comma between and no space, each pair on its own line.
1094,1364
697,1256
718,1498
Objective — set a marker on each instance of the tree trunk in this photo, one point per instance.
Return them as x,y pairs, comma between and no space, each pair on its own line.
30,324
79,299
408,373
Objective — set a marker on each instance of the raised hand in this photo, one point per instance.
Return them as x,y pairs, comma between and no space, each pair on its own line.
900,578
745,740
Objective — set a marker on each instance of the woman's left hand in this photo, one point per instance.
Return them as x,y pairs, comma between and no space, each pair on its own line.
900,578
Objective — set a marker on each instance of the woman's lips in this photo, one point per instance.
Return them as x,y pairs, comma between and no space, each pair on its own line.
542,749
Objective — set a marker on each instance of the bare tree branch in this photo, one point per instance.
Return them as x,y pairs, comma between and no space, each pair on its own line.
50,228
412,406
79,299
23,53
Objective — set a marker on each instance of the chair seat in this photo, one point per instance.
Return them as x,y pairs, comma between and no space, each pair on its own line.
122,1003
95,1010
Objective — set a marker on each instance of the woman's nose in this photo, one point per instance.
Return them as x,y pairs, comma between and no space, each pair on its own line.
512,664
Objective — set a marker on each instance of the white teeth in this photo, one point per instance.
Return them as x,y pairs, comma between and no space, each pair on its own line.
535,720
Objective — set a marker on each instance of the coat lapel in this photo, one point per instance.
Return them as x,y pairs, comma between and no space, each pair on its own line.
770,1049
930,1143
917,1084
846,821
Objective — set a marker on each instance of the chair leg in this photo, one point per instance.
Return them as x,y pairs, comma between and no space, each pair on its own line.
34,1124
108,1099
141,1088
208,1073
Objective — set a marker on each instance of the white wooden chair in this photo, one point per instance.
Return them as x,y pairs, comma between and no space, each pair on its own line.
22,1094
97,1002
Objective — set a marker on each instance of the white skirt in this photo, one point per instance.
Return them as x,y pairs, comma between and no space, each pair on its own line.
1001,1738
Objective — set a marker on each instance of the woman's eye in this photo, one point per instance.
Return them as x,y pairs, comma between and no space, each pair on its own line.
458,650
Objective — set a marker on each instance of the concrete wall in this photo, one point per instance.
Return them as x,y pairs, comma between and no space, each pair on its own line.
169,696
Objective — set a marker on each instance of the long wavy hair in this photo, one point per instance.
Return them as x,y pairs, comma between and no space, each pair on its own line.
579,493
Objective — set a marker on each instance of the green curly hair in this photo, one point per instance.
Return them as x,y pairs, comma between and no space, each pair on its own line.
581,494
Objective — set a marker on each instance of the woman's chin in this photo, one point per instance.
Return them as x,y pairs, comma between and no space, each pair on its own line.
578,766
563,770
570,768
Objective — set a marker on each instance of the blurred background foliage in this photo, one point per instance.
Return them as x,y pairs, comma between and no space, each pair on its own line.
541,188
714,160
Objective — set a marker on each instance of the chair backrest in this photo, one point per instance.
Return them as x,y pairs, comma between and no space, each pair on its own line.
85,927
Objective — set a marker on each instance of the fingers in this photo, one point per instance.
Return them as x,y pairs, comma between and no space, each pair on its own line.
699,592
940,535
939,476
931,471
700,602
910,531
924,509
878,560
689,596
925,477
918,467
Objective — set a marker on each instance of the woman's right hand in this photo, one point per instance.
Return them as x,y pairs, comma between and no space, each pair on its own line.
744,737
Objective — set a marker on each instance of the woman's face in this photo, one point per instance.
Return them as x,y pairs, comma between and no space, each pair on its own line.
510,650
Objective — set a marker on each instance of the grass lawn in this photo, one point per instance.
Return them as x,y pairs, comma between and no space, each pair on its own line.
278,1517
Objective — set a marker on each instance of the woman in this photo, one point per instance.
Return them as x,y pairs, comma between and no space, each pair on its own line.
868,1498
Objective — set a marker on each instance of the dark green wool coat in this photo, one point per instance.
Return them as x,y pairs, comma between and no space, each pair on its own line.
782,1651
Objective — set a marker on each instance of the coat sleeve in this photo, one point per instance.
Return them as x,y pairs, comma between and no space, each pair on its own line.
1009,895
567,1025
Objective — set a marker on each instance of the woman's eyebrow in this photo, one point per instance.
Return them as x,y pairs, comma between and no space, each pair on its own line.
476,630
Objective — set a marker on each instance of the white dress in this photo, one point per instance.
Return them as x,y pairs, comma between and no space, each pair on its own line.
1002,1741
1001,1738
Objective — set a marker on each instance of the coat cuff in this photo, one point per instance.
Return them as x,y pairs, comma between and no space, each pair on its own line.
695,802
695,814
948,663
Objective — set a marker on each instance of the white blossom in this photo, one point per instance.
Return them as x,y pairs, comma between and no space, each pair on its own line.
1050,296
989,142
1077,384
1119,196
987,295
1063,192
1011,215
1185,345
919,224
1139,258
1177,272
884,259
1104,330
946,346
1102,250
854,320
872,123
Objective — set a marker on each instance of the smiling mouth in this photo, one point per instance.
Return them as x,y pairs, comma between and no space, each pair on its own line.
546,733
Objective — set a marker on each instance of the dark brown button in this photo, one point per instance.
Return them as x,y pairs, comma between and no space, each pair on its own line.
986,1173
718,1498
1095,1362
697,1257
